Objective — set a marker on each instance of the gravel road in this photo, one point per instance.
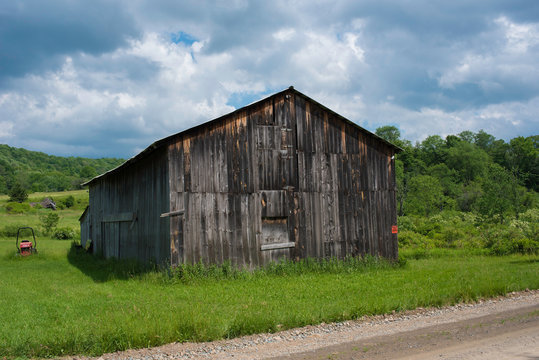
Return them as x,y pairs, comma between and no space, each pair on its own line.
501,328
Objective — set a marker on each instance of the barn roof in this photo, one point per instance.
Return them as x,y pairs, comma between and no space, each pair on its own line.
162,142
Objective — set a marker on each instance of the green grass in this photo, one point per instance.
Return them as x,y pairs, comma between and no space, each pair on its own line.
64,301
69,217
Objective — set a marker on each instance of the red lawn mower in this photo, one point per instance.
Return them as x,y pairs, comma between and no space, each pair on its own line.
26,247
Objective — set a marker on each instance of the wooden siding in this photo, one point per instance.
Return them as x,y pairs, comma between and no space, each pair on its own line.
85,229
125,211
280,171
282,178
346,195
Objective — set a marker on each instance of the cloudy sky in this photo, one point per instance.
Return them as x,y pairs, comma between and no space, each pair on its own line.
107,78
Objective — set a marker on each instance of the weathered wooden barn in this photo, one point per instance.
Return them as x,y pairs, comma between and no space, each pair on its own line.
282,177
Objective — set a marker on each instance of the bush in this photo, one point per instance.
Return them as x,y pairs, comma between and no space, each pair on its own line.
501,240
17,208
49,222
63,234
9,231
411,239
69,201
406,223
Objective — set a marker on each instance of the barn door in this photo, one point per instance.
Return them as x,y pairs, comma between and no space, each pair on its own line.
275,142
117,239
276,236
277,179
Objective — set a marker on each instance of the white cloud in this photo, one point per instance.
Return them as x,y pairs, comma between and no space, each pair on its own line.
520,37
506,59
5,129
504,120
284,34
370,62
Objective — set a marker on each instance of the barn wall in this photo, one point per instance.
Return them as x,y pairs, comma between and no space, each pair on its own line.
213,178
125,209
346,195
281,178
84,228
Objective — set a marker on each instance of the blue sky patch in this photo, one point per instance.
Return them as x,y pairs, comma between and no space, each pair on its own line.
182,37
241,99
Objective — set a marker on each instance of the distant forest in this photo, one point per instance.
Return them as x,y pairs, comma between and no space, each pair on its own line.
37,171
471,172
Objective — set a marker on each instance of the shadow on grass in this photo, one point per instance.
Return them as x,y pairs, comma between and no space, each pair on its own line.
103,270
524,261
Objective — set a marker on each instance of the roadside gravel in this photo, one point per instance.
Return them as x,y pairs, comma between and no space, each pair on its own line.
310,338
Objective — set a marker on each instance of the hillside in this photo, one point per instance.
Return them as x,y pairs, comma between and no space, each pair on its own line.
37,171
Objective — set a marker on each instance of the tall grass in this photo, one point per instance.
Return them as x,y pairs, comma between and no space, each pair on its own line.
188,273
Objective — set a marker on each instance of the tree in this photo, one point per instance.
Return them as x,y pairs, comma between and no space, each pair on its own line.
468,160
401,185
432,150
501,194
467,136
452,140
425,195
448,179
18,193
522,159
389,133
87,172
469,195
498,150
483,140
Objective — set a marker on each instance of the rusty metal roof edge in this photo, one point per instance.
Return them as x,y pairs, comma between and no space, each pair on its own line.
157,144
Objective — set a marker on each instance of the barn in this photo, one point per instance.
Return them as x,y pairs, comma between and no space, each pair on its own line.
284,177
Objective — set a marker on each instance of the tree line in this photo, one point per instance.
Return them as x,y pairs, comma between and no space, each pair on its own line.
37,172
470,172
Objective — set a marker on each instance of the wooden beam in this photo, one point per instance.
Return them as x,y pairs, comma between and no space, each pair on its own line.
128,216
173,213
278,246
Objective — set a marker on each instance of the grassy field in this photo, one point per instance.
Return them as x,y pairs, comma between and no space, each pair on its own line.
64,301
69,217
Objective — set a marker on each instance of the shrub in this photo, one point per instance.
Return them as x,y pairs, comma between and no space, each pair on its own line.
406,223
49,222
509,240
411,239
63,234
69,201
9,230
17,208
531,216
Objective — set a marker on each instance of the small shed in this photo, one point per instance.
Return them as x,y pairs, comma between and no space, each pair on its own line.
284,177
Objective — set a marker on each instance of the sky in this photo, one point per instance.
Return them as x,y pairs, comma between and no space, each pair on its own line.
107,78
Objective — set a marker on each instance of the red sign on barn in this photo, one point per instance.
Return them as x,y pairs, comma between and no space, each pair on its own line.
394,229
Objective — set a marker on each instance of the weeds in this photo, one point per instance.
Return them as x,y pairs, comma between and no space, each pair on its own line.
187,273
